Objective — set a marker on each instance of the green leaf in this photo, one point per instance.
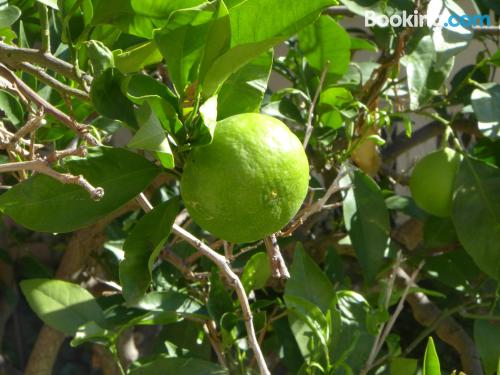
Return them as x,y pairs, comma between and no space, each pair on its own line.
308,281
448,41
418,65
244,90
179,366
142,247
100,56
11,107
367,222
309,326
137,57
256,272
486,336
404,366
352,337
207,122
141,87
431,360
109,100
219,299
60,304
138,17
326,42
330,105
487,109
363,44
152,137
256,26
42,203
187,40
9,15
477,200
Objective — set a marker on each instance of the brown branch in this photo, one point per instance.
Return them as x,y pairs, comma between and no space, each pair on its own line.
12,55
279,269
402,143
42,166
233,280
27,92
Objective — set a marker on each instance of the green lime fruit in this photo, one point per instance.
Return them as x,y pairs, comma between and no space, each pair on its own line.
249,182
432,180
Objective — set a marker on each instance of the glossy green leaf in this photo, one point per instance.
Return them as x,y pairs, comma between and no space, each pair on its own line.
138,17
486,338
331,102
187,39
256,272
326,42
12,108
244,90
487,109
9,15
431,360
179,366
477,200
60,304
367,222
119,172
142,247
152,137
308,281
219,298
137,57
109,100
256,26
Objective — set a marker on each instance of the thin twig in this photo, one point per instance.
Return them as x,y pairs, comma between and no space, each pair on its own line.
279,269
233,280
310,115
42,166
211,332
82,130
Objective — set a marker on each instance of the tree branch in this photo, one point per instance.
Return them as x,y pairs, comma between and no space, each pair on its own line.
28,93
233,280
12,56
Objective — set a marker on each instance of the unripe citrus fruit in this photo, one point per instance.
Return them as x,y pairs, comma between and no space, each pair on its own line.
432,180
249,182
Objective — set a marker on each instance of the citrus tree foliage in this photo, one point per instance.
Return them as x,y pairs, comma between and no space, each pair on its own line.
102,101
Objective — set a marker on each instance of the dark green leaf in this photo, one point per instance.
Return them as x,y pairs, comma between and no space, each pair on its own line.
487,109
308,281
62,305
486,334
100,56
367,221
11,107
431,360
109,100
43,204
141,248
244,90
179,366
219,299
477,200
256,272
